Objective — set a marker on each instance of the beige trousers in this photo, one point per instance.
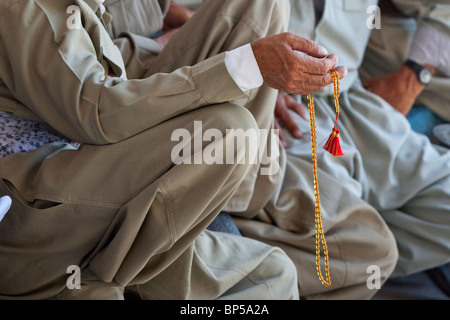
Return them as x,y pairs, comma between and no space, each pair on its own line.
281,213
127,216
358,239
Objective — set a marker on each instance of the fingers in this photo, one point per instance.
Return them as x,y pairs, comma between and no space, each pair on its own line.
341,71
312,83
283,140
307,46
298,108
164,39
295,65
371,84
314,73
285,103
312,65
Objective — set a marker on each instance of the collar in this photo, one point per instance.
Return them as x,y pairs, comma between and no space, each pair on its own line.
99,9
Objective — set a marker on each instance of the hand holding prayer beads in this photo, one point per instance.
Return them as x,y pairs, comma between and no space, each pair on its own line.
293,64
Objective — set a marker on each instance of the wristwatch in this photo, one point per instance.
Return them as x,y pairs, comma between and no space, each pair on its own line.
423,73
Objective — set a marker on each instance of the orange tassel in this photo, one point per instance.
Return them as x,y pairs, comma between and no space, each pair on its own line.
333,144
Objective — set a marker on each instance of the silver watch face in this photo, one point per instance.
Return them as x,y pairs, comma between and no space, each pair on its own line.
425,76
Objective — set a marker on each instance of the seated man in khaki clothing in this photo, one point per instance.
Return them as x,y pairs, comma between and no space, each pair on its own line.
117,206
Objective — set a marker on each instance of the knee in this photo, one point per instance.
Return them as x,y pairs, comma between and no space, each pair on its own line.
280,15
234,116
282,276
381,256
382,261
268,17
274,13
243,137
236,129
389,260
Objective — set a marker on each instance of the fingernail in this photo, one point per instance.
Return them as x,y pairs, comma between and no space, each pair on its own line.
298,134
323,51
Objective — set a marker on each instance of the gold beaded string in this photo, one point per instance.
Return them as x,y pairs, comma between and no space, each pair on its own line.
320,236
337,93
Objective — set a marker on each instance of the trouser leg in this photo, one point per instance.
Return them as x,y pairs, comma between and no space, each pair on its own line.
422,229
221,20
406,178
356,235
226,266
395,170
134,193
123,211
220,26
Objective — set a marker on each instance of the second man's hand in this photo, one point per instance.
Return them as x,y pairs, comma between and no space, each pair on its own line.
284,117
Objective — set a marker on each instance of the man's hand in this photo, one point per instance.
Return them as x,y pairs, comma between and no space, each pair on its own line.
400,89
293,64
163,39
177,16
284,117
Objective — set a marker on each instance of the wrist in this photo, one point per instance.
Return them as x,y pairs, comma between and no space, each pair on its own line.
424,73
411,81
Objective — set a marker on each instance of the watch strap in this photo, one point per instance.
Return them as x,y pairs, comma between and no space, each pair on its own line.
417,68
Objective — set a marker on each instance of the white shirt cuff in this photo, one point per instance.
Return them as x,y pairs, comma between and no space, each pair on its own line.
243,68
5,204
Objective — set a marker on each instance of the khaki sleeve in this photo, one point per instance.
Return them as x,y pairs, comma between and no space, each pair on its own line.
434,14
137,52
143,17
62,81
132,27
431,42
